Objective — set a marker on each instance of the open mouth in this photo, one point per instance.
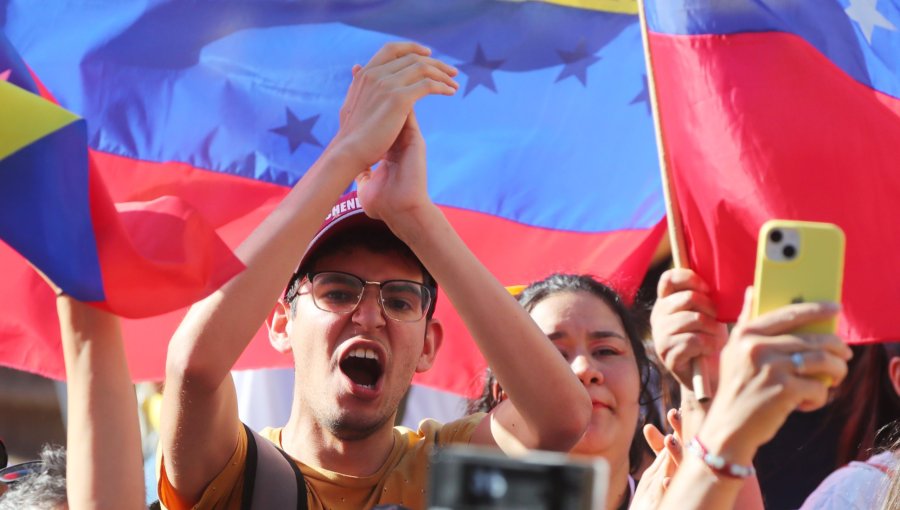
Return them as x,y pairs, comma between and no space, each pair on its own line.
363,367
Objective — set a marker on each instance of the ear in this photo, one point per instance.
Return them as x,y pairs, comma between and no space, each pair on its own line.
894,373
279,326
434,336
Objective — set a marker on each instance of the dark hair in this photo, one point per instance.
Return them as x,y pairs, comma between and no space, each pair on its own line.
554,284
369,237
45,489
866,418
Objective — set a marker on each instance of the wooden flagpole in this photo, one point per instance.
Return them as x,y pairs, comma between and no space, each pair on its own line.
699,381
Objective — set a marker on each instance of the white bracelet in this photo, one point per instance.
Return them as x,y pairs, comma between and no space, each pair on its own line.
717,463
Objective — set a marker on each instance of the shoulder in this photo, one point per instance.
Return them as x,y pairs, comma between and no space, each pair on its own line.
222,492
854,486
273,434
437,433
458,431
884,461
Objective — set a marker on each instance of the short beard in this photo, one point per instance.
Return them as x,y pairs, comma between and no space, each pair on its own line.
349,428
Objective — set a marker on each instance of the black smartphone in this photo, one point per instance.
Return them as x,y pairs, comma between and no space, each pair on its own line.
469,478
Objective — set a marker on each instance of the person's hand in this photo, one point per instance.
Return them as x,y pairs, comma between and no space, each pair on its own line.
669,452
653,483
381,97
660,442
767,372
399,185
684,324
656,479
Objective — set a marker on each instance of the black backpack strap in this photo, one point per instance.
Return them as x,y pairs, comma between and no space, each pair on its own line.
249,470
268,476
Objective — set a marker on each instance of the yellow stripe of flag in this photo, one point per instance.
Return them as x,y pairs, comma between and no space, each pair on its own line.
617,6
26,118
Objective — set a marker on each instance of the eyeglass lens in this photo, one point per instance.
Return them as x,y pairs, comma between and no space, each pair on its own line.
401,300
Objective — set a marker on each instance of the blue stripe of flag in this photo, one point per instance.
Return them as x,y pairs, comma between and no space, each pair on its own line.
551,127
863,36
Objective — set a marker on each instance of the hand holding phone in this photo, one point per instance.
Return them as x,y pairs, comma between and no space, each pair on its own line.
798,262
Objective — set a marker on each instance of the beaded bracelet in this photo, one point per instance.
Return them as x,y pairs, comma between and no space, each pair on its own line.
717,463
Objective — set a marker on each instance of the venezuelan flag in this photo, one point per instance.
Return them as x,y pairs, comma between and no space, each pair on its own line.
785,109
543,161
54,210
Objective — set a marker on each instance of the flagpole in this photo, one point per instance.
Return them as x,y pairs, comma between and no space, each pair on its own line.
699,380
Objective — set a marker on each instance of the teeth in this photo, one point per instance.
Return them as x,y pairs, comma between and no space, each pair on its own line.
363,353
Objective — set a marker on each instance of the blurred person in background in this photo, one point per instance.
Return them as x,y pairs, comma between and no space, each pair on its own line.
871,427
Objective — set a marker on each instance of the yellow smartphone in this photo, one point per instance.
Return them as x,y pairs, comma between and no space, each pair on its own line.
798,261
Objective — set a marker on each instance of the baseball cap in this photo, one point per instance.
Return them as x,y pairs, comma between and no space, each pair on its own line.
347,213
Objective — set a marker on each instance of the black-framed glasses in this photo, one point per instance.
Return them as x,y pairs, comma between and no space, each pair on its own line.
401,300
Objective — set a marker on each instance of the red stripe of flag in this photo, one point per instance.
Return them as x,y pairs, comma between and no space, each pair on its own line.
762,125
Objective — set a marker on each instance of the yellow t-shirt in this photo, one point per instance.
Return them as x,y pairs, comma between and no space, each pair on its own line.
401,480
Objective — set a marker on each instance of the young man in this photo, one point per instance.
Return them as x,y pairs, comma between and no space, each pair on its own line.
357,320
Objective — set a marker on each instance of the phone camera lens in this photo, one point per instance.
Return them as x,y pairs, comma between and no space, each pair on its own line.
776,236
789,252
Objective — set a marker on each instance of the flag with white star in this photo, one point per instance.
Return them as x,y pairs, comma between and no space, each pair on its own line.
543,161
785,109
141,260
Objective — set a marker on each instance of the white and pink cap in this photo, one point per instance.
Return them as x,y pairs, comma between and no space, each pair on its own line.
346,213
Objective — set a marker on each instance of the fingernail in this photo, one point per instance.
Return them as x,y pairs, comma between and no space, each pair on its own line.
671,442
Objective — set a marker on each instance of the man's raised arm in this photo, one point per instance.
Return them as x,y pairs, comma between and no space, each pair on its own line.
548,406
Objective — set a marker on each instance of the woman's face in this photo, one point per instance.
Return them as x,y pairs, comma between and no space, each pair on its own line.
590,336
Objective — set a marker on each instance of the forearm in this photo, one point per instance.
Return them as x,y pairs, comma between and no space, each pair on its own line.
217,329
695,487
542,387
104,459
750,496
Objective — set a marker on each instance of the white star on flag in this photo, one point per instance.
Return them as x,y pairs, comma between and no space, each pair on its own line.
866,14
